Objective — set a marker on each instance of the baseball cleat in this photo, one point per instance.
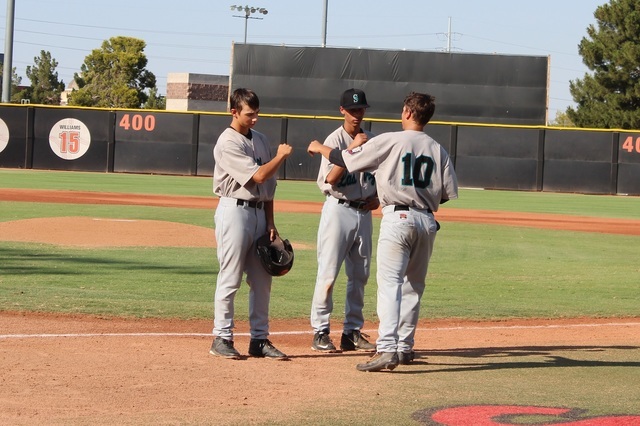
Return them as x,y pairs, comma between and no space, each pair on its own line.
263,348
224,348
355,341
322,342
406,358
380,361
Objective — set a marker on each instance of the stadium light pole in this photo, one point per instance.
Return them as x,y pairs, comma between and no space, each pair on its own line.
325,10
248,11
7,66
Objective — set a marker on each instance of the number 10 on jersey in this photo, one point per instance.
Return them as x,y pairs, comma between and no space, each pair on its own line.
417,171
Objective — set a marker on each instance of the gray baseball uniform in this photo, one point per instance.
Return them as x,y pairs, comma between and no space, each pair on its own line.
344,235
239,221
413,174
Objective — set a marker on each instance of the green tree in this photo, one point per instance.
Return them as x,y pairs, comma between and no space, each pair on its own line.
16,94
610,97
561,120
155,101
114,76
45,87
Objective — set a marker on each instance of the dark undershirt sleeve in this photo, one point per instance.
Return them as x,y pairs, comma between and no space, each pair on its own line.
335,157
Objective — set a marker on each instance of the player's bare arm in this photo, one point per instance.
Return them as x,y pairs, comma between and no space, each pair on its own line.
336,172
334,175
333,155
315,147
271,226
266,171
360,139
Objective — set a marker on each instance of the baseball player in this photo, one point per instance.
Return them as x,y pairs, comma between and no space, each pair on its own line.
345,233
414,175
244,178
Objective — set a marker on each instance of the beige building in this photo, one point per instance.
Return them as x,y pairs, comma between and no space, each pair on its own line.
64,96
185,92
197,92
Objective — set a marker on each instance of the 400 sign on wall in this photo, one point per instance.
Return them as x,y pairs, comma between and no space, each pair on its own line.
69,139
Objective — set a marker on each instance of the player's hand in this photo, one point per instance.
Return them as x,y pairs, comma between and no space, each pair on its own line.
273,232
284,150
314,147
360,139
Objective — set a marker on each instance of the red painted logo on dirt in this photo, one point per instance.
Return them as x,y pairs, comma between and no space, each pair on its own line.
501,415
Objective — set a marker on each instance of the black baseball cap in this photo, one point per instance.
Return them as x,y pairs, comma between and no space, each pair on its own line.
353,98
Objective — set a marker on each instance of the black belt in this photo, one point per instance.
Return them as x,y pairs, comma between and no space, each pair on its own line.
406,208
252,204
354,204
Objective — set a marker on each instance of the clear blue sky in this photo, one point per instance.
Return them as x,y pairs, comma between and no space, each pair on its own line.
195,36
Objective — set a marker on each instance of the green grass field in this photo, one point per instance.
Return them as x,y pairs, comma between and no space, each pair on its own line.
477,271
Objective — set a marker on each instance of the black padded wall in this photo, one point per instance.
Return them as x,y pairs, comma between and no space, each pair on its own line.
471,88
300,132
497,158
13,137
71,139
578,161
485,156
210,127
628,177
154,143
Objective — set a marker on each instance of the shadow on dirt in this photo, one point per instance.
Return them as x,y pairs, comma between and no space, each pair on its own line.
531,357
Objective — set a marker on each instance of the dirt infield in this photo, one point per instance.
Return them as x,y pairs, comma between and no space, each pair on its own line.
66,369
547,221
87,370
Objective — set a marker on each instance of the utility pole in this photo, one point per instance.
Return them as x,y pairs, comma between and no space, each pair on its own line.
449,37
7,68
324,23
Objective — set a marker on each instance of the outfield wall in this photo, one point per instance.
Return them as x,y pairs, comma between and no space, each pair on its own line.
527,158
504,89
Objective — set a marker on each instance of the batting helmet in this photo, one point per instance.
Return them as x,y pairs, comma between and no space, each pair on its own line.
276,256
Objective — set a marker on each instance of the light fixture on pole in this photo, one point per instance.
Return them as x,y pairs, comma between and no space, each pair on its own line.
248,10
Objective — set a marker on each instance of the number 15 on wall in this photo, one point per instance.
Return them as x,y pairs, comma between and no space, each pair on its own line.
69,139
69,142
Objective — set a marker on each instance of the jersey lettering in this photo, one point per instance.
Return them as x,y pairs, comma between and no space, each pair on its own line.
369,177
417,172
346,180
